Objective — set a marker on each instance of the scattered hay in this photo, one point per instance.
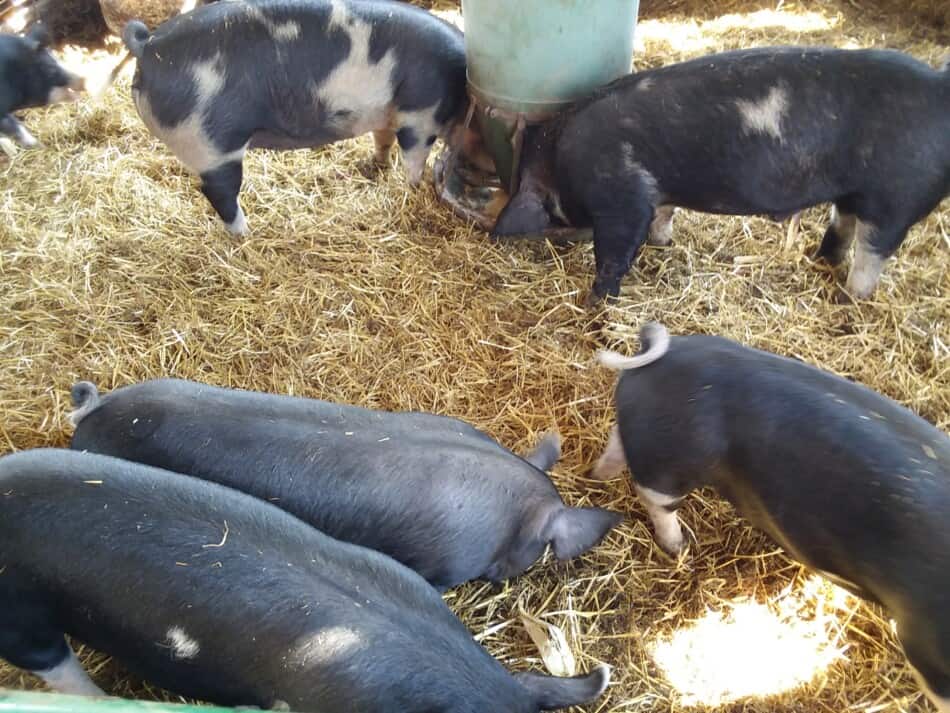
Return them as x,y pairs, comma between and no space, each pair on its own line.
114,269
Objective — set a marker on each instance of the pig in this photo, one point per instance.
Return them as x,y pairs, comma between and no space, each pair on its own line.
432,492
288,74
762,131
216,595
30,77
849,482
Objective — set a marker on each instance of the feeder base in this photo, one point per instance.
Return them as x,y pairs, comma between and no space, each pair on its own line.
477,196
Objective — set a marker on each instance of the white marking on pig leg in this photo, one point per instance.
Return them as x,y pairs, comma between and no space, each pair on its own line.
358,93
867,264
24,137
238,226
70,677
612,461
765,115
182,646
661,229
665,523
425,127
384,140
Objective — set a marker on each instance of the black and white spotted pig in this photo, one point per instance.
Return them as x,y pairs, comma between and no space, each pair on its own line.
432,492
847,481
291,74
762,131
30,77
213,594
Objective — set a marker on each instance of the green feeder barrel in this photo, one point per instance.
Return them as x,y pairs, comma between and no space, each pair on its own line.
533,57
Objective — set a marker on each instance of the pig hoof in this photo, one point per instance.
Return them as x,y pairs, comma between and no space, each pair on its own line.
841,297
238,226
672,547
373,167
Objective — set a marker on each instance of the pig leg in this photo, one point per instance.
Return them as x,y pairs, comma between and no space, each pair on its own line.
618,235
661,229
70,678
612,461
415,151
384,141
874,244
662,511
838,237
30,640
16,131
221,187
933,681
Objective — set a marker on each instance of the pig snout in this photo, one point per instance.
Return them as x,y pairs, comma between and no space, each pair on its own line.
68,92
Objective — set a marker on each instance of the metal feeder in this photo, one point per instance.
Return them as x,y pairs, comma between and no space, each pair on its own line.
528,60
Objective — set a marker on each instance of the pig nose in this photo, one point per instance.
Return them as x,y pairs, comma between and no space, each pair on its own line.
77,83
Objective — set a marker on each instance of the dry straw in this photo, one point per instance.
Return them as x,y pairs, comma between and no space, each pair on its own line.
359,290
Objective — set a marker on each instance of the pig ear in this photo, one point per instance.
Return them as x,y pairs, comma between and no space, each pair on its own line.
546,453
38,37
524,214
573,531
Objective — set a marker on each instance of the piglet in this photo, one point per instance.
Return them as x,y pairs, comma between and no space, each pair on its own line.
764,131
288,74
846,480
30,77
433,492
216,595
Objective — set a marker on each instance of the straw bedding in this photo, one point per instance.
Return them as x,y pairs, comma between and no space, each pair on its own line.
358,290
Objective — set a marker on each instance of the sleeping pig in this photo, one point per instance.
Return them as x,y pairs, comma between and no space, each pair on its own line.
847,481
288,74
432,492
30,77
216,595
762,131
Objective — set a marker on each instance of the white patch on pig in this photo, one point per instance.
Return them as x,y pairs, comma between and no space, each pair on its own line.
612,461
665,523
358,87
326,645
70,678
209,80
765,115
24,137
645,84
187,139
661,229
238,226
187,6
280,31
866,266
182,646
340,15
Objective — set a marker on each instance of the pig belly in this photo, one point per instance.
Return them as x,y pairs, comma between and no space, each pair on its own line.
283,141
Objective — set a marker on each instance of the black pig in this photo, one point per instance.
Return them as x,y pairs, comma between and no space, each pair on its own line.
847,481
433,492
213,594
763,131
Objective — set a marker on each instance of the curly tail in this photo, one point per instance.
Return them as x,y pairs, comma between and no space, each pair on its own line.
86,399
655,340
